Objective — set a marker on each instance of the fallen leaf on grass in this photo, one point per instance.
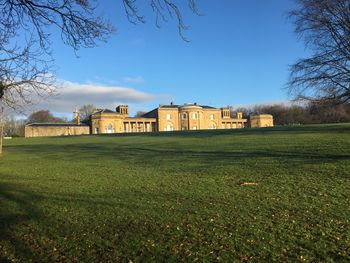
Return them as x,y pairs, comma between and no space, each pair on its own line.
248,183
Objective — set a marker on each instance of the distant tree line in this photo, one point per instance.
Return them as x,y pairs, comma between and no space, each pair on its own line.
310,113
14,127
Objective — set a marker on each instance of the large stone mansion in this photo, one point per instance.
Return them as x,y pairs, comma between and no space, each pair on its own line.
165,118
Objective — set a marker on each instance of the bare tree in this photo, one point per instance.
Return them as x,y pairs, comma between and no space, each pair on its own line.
2,126
44,116
86,111
23,72
26,69
140,113
324,25
163,9
14,127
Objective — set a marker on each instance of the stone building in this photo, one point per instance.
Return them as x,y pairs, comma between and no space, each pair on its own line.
108,121
169,117
261,120
165,118
55,129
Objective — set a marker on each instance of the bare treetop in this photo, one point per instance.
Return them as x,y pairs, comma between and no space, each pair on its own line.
79,25
163,9
324,25
77,20
26,64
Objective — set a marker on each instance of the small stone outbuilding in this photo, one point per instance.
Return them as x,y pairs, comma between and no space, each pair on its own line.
261,120
55,129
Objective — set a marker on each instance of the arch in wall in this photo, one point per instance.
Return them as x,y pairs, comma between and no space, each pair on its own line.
169,127
110,129
212,126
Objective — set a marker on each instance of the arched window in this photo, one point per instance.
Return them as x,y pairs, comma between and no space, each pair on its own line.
194,116
184,116
109,128
169,127
212,126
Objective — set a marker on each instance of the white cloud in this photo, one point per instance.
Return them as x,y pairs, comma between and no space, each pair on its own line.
72,95
134,80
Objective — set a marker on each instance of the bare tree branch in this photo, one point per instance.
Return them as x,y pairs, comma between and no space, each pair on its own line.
27,68
325,27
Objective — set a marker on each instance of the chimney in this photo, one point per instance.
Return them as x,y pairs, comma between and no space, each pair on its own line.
77,120
123,110
77,116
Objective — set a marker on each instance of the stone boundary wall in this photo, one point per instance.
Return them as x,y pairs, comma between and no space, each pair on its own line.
45,131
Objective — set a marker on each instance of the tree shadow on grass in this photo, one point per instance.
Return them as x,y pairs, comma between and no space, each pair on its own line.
321,128
121,238
335,128
99,238
16,209
21,216
153,154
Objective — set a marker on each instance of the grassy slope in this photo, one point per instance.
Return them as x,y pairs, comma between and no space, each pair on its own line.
178,196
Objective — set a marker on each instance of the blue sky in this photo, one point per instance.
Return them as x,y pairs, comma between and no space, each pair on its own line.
238,54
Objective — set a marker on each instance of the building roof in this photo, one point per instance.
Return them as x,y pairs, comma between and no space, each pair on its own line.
139,118
105,111
154,113
207,107
173,106
57,124
151,114
261,115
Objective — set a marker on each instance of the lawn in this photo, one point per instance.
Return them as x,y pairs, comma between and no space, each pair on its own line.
178,197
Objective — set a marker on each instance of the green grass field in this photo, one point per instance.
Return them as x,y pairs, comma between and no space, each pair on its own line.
178,197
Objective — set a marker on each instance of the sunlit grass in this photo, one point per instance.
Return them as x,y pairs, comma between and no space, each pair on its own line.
178,196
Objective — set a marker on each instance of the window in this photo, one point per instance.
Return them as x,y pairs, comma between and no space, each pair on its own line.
168,116
109,129
184,116
194,128
184,128
96,130
194,116
212,117
212,126
169,127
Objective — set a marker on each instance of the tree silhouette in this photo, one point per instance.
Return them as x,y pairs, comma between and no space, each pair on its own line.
324,25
